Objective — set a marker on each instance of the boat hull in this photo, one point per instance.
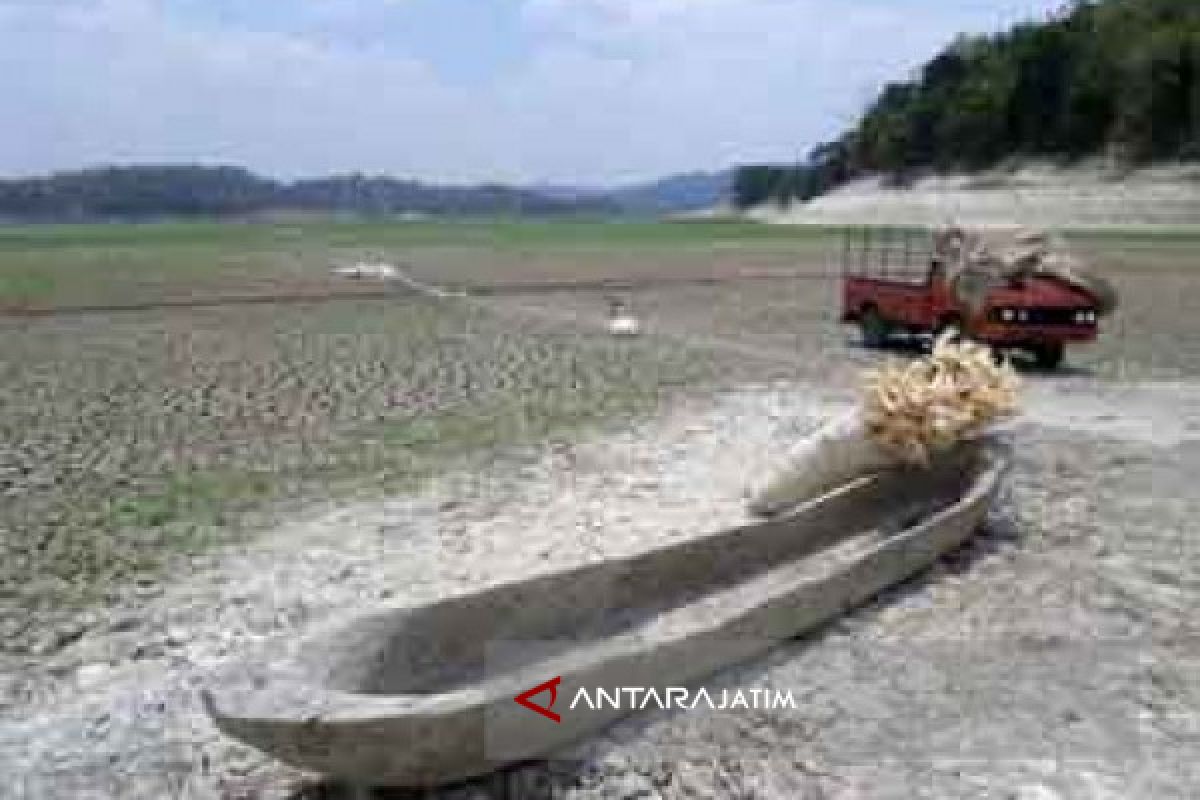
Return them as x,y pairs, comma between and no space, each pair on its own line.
426,696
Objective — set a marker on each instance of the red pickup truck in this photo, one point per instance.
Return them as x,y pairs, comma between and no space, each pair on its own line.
1039,315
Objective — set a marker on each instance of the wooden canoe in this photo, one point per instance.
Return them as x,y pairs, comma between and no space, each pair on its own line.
419,696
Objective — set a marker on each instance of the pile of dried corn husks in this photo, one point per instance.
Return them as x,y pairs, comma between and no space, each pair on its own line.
910,414
916,410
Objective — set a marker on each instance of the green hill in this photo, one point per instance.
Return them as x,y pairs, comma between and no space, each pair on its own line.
149,192
1119,78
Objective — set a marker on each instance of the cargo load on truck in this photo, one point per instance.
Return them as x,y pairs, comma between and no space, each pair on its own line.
980,259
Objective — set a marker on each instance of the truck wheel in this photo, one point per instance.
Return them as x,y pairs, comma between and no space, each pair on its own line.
874,328
1048,356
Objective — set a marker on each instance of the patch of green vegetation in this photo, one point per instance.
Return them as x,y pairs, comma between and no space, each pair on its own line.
330,231
130,234
25,286
48,265
70,265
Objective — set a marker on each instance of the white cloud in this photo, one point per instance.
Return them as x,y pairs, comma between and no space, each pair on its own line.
120,81
711,82
605,90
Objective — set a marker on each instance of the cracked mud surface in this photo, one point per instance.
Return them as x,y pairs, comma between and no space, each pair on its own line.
1057,656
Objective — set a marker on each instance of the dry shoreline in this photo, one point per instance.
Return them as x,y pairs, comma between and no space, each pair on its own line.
1079,198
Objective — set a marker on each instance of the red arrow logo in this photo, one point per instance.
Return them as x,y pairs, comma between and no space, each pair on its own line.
549,686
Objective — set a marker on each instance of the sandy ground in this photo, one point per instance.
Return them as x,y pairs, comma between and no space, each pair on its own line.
1056,657
1082,197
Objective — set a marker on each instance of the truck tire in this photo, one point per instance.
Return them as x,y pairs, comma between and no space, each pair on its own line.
875,328
1048,356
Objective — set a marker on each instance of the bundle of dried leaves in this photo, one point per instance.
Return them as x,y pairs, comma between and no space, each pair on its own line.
924,407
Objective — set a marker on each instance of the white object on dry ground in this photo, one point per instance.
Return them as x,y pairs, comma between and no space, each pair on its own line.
624,325
365,270
909,415
621,321
833,456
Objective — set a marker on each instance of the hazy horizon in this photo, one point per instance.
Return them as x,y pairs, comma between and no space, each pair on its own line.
550,186
592,93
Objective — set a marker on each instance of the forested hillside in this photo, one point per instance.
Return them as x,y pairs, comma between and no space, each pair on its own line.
179,191
1119,78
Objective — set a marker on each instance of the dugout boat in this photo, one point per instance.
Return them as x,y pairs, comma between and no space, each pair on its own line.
427,695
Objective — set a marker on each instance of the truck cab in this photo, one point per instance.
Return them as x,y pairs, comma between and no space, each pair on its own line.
893,283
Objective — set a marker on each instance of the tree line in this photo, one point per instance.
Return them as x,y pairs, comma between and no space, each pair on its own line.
1119,78
144,192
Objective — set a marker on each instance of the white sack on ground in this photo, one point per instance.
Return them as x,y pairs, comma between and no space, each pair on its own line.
911,414
834,456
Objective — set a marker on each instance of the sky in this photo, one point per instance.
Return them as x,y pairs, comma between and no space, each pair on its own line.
595,92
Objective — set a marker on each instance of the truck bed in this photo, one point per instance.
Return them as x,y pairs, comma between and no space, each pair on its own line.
910,302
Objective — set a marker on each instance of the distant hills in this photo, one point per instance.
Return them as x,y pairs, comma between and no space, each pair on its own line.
148,192
692,191
142,192
1113,79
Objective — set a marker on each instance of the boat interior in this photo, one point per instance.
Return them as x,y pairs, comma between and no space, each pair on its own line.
455,642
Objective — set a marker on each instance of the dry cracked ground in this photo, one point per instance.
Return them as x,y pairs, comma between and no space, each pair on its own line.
1058,656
